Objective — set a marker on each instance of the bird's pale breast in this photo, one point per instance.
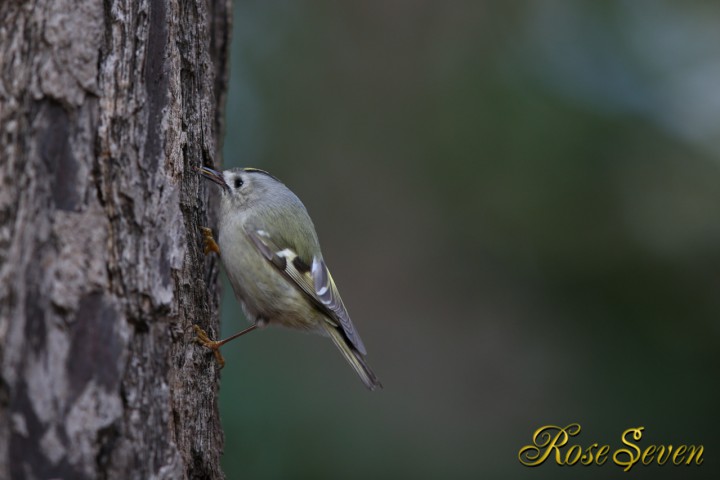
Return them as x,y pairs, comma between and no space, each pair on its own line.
264,291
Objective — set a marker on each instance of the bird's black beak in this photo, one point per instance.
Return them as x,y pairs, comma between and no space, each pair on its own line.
214,176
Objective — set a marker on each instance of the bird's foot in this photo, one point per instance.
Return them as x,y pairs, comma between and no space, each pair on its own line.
209,243
203,339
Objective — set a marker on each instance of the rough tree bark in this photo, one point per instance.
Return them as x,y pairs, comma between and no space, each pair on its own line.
105,108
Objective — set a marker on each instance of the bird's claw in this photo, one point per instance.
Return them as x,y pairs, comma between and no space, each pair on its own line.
209,243
203,339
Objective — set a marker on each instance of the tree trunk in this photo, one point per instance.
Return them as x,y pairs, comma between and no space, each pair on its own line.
105,108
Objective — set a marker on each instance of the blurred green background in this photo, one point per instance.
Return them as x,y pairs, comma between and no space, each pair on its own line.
519,202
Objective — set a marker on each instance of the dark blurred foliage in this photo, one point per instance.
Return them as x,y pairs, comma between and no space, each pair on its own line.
520,203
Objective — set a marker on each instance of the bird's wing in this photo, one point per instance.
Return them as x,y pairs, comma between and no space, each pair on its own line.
311,275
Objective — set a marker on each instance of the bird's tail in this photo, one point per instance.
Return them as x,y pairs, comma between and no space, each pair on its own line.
354,358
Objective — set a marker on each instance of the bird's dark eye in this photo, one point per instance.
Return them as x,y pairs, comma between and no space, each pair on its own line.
238,182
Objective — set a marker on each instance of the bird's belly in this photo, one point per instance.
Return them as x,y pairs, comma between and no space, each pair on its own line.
267,295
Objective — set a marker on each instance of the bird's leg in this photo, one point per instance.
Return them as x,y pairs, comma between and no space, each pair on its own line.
208,241
214,345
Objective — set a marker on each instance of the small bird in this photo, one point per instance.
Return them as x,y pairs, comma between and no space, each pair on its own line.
270,251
